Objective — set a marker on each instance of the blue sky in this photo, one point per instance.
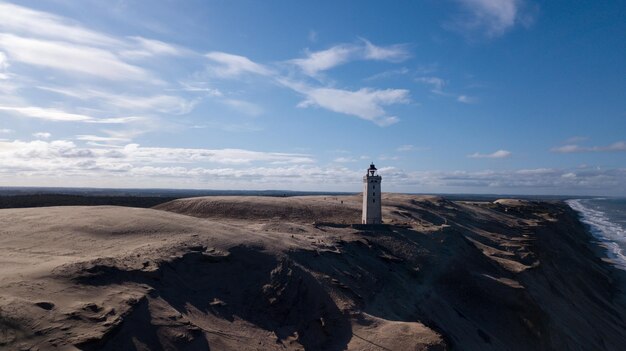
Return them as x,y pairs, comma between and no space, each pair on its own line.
480,96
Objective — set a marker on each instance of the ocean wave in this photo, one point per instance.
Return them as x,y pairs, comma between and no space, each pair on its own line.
611,234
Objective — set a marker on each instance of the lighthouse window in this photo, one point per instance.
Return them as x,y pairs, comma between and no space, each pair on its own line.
374,193
374,187
373,200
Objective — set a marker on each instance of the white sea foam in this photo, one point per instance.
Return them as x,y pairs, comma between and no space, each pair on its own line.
610,233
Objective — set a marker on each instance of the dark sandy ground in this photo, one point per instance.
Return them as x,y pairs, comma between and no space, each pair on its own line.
261,273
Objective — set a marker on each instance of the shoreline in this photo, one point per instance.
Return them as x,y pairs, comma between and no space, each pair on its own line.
612,252
601,254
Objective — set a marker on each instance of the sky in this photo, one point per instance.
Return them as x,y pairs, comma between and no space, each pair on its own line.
444,96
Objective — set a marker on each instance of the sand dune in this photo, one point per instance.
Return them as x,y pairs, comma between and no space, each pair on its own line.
262,273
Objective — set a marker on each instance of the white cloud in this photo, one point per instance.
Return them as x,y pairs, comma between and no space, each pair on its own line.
6,131
47,114
133,165
71,58
56,115
316,62
4,65
33,23
35,152
387,74
149,47
112,138
199,87
497,154
570,175
364,103
117,120
537,181
225,156
405,148
18,19
100,139
21,153
230,65
466,99
435,83
42,135
393,53
312,36
156,103
319,61
492,17
574,148
437,86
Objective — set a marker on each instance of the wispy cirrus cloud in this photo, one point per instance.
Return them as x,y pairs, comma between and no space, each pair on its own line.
56,115
492,18
156,103
391,53
112,138
387,74
466,99
436,84
71,58
496,154
144,48
315,62
32,23
58,43
575,148
18,19
230,65
319,61
4,64
42,48
365,103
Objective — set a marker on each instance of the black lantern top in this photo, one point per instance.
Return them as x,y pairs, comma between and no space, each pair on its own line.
372,169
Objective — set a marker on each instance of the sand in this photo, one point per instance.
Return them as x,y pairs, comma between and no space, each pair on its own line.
263,273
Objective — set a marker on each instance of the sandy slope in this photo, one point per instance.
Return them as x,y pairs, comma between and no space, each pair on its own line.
261,273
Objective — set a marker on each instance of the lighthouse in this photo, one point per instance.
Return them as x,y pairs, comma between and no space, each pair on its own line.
372,213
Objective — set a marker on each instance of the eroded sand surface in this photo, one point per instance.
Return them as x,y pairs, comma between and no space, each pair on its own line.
261,273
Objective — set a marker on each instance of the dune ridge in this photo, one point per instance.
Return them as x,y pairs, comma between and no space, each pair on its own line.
260,273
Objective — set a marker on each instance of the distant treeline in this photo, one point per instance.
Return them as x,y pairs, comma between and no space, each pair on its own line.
17,197
43,200
175,193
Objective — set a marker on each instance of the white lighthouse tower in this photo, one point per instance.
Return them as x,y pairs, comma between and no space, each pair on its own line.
372,213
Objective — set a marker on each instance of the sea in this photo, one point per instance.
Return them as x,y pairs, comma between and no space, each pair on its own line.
606,218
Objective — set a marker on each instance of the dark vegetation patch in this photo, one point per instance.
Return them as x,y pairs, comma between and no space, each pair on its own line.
44,200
